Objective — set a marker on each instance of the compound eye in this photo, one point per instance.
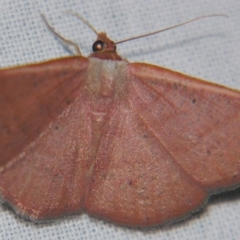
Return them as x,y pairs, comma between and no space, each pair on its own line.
98,46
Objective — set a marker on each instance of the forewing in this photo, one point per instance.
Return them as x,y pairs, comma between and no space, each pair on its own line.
198,123
44,115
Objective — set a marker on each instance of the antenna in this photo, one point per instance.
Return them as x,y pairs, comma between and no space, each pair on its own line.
174,26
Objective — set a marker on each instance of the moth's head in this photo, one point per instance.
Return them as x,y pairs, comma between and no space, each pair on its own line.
104,48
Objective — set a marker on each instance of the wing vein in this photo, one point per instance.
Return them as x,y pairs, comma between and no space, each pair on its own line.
163,145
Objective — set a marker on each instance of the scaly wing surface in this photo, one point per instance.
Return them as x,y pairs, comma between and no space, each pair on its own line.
168,145
44,137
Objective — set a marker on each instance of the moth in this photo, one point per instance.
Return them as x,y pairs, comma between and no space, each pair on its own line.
133,143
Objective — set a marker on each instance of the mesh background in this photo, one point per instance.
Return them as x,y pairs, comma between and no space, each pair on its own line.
207,49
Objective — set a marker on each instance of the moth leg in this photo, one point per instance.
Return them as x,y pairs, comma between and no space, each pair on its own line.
64,40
